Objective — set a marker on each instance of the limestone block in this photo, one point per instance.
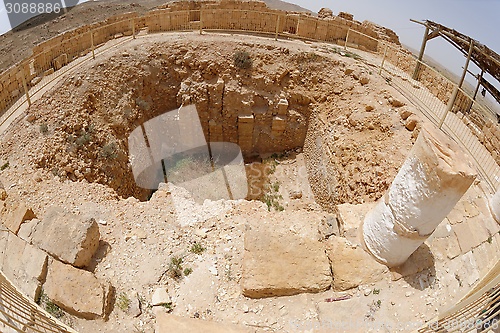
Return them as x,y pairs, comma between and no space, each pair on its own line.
69,238
24,265
282,107
351,265
76,291
471,234
280,263
279,124
495,206
17,213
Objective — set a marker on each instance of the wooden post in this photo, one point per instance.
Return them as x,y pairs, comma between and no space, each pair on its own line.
479,79
383,60
277,28
421,54
133,28
26,91
453,98
201,23
92,42
347,38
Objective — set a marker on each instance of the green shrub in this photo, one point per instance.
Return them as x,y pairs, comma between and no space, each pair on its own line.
242,60
197,248
123,302
44,128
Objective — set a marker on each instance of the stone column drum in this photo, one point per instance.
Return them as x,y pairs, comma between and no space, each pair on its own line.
430,183
495,206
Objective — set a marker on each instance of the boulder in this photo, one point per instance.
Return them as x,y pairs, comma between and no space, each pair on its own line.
396,103
15,214
77,291
351,265
166,323
69,238
278,262
325,13
3,193
160,297
411,123
364,79
23,264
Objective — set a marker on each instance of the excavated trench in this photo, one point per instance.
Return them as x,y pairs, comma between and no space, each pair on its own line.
264,109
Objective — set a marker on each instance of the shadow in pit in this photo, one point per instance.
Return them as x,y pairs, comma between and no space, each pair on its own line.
419,270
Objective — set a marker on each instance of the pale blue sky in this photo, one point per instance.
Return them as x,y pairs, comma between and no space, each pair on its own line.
477,18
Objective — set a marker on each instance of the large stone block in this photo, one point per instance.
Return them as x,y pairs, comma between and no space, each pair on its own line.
281,263
15,214
69,238
23,264
351,265
77,291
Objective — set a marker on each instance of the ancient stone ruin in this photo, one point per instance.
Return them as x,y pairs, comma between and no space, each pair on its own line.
220,166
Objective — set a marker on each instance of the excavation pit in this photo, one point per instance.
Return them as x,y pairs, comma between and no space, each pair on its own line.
293,98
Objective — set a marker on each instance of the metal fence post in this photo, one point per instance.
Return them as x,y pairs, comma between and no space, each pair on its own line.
454,95
92,42
383,60
26,91
201,22
347,38
277,27
133,28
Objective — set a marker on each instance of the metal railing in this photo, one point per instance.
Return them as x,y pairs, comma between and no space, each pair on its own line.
431,93
19,314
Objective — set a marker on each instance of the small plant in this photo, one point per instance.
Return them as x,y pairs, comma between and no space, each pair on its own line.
44,128
242,60
197,248
109,151
49,306
168,306
5,166
272,197
123,302
489,240
376,291
379,303
308,57
188,271
83,139
175,267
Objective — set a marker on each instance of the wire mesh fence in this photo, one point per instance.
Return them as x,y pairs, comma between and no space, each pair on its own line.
19,314
461,118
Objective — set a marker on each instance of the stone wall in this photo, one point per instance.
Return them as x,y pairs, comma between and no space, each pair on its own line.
490,138
254,16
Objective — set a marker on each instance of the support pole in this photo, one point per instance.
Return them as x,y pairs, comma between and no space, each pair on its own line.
347,38
454,95
92,42
383,60
201,23
479,79
133,27
26,91
421,54
277,28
